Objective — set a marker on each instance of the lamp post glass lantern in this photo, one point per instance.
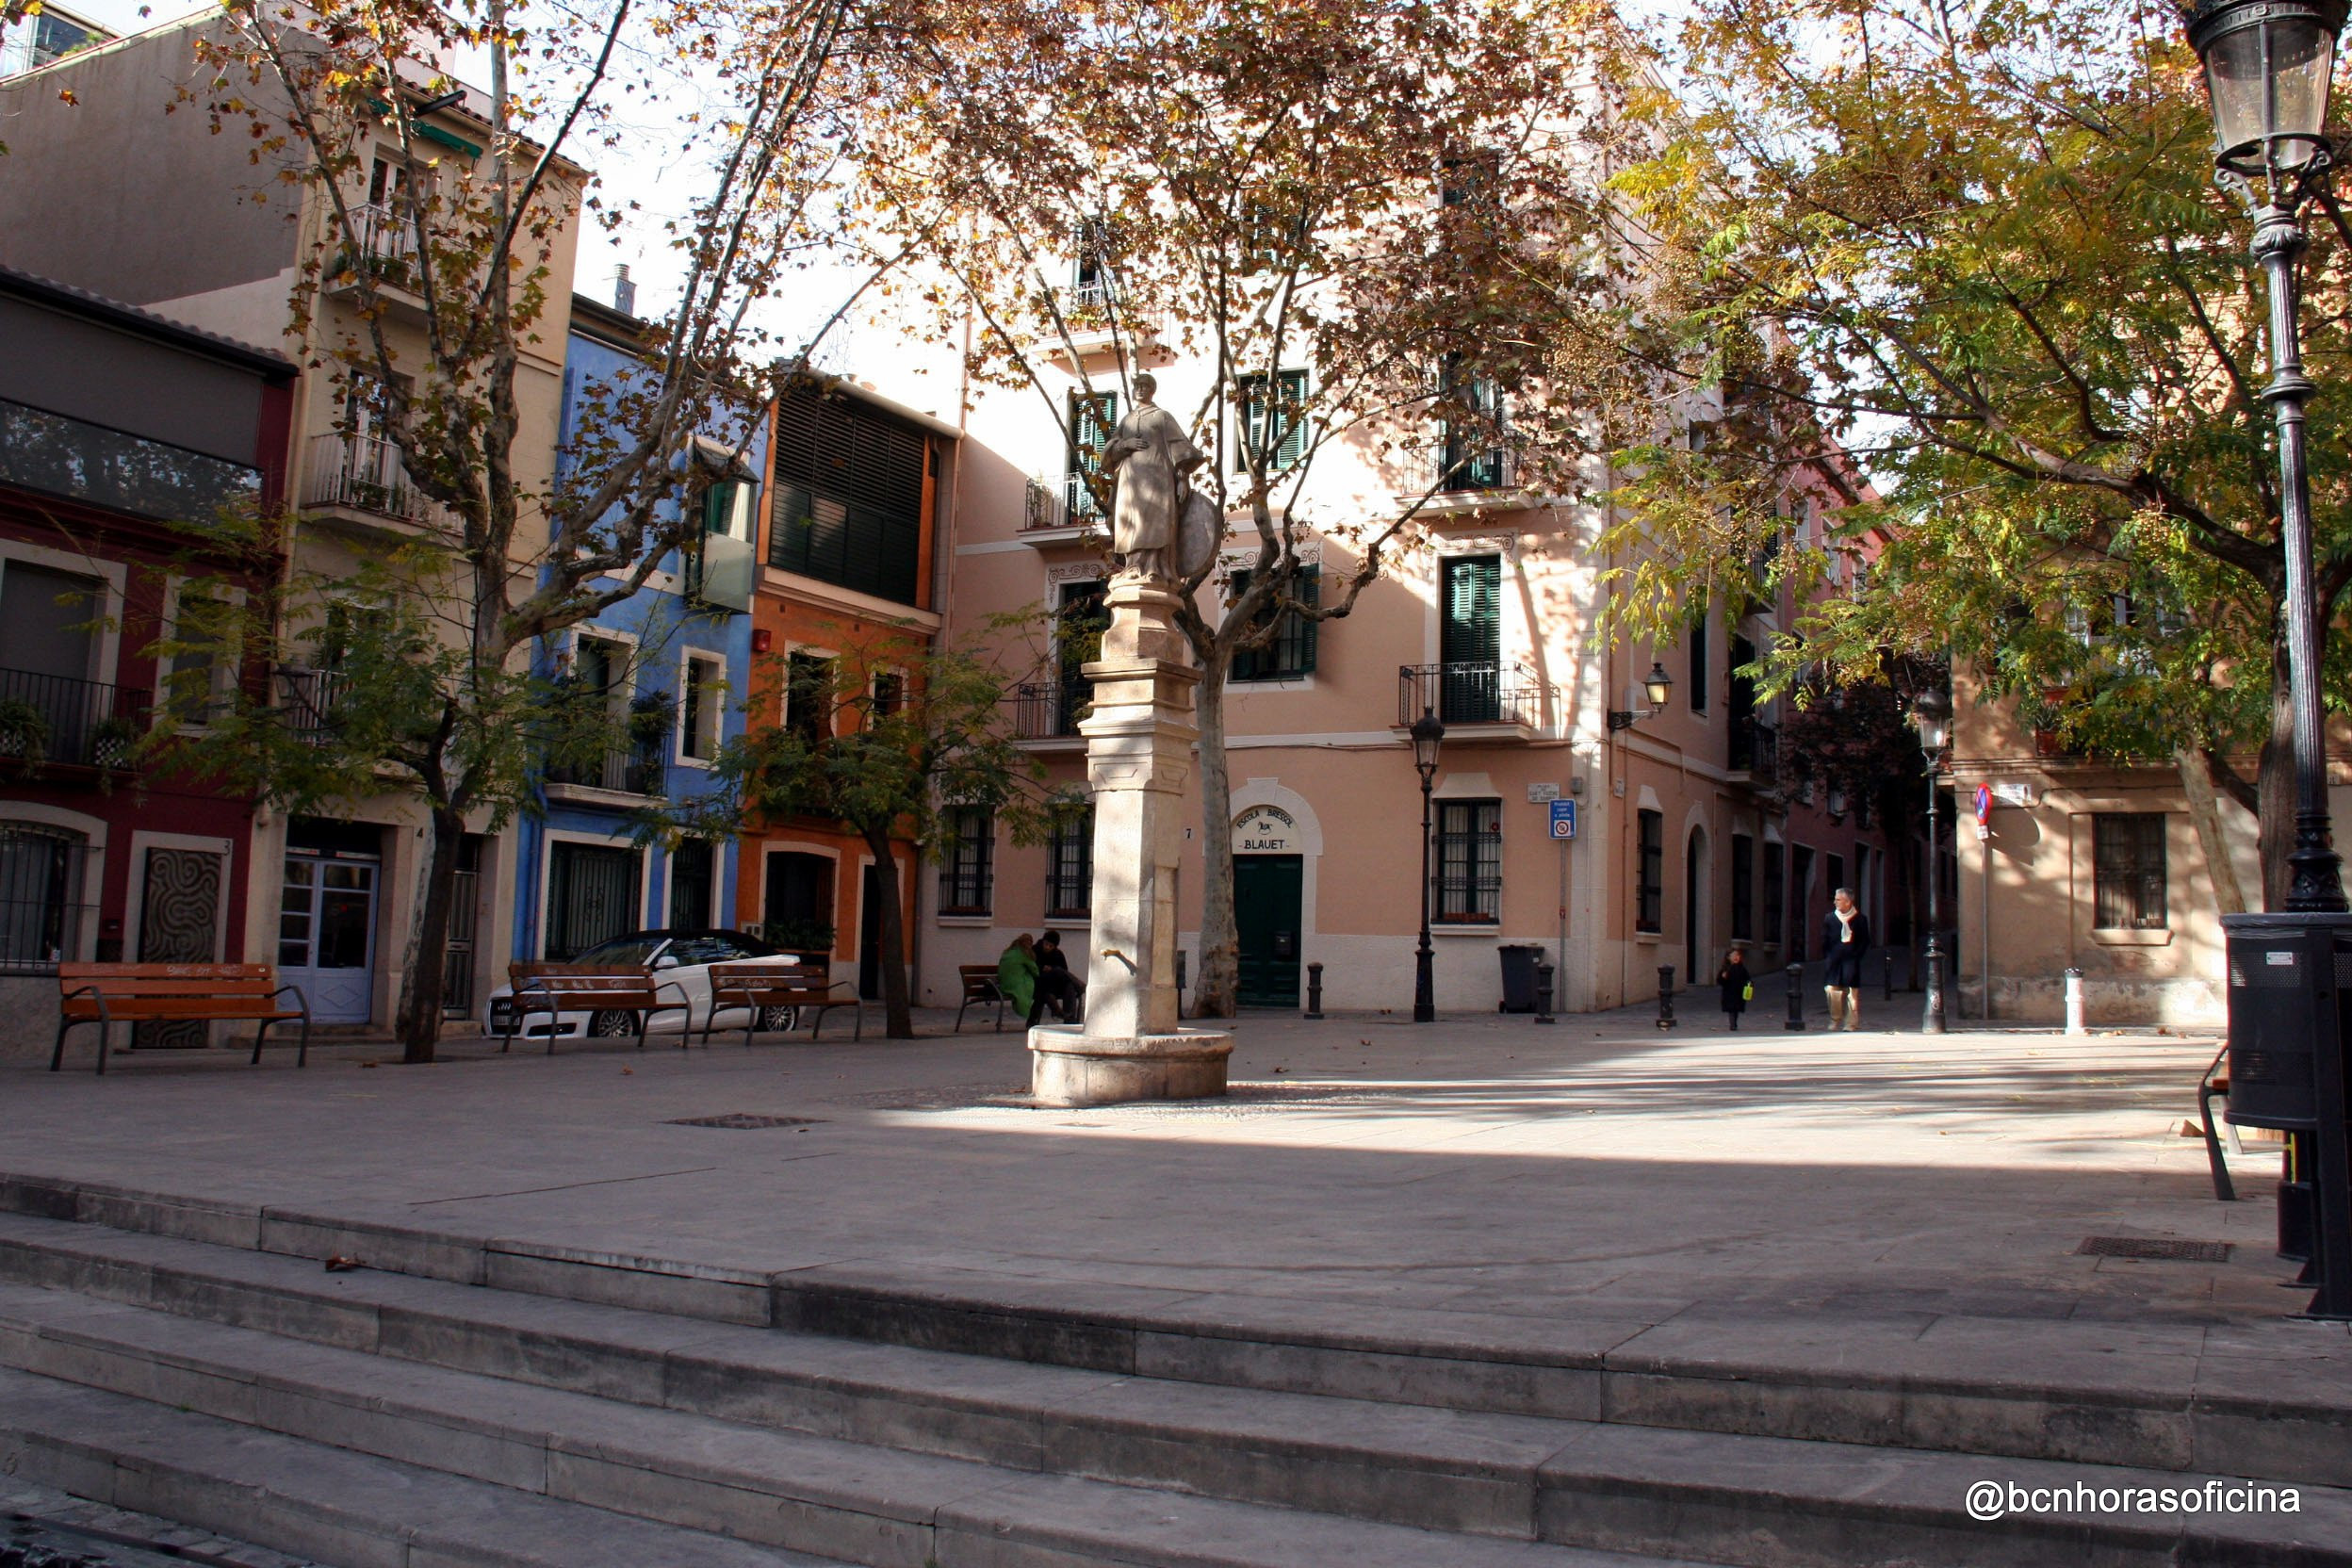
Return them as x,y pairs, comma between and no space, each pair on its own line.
1930,713
1657,686
1426,733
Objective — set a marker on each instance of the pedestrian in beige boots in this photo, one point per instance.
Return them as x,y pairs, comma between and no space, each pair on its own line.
1845,936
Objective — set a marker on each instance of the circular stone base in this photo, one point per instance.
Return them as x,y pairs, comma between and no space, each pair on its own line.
1068,1067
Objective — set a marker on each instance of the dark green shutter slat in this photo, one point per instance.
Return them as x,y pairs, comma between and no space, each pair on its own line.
849,495
1311,593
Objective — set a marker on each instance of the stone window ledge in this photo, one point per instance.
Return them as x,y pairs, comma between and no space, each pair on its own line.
2133,938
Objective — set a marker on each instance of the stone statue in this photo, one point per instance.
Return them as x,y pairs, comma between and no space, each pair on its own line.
1152,459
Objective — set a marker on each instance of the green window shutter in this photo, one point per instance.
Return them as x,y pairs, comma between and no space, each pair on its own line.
1310,593
1294,443
1248,664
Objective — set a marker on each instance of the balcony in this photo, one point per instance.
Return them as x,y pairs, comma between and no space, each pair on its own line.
1755,750
1051,712
56,721
1472,695
360,477
383,247
1068,516
619,773
309,698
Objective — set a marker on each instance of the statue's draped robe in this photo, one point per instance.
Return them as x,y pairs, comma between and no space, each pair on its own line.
1151,454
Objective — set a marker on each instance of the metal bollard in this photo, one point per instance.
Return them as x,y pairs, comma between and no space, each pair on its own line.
1796,996
1315,990
1665,996
1887,972
2074,1003
1179,982
1544,993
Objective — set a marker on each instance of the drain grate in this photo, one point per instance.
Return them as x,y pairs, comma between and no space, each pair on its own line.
2151,1247
744,1121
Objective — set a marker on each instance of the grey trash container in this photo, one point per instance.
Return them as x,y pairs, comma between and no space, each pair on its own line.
1519,961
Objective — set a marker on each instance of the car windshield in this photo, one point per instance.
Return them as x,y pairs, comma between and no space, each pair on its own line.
622,952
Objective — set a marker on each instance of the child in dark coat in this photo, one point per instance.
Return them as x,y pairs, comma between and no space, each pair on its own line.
1734,979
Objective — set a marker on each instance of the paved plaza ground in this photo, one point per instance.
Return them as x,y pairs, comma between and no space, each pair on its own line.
1600,1171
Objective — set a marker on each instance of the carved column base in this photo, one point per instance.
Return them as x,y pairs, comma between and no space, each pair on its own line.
1069,1067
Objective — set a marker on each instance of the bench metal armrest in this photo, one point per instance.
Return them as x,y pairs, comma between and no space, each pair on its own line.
300,1000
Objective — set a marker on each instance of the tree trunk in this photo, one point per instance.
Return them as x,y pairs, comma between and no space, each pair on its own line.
898,1022
2197,785
2274,784
1215,991
419,1022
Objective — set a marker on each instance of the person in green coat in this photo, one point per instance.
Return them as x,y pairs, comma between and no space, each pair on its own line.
1016,974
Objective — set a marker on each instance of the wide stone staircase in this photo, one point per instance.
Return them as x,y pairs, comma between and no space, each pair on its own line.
463,1403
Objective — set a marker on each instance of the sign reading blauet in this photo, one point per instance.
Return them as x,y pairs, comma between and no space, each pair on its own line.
1264,830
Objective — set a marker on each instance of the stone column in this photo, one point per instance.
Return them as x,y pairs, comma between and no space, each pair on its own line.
1139,742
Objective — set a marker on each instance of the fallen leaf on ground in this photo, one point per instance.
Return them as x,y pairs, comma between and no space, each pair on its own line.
341,1264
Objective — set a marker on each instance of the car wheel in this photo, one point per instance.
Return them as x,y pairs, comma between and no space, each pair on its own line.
612,1023
778,1020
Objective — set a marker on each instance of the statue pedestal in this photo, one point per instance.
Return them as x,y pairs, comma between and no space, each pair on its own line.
1139,742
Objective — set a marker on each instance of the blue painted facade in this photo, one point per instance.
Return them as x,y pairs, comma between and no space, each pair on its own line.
581,872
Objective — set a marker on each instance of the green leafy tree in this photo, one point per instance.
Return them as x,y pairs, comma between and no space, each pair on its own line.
1981,245
885,756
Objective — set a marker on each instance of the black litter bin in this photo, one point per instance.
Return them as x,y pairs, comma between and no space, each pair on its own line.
1519,961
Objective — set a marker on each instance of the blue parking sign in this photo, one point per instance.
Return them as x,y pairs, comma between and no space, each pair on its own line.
1564,818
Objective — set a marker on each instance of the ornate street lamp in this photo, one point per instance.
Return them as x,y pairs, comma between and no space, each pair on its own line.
1931,713
1426,733
2268,65
1657,686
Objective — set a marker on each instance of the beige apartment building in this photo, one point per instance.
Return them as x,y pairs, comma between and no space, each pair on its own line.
1686,838
111,193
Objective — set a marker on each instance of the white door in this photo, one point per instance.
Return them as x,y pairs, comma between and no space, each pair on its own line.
327,934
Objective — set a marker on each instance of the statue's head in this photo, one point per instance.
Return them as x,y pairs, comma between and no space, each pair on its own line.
1146,384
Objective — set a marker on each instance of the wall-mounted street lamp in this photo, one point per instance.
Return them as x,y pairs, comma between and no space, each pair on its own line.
1426,733
1657,686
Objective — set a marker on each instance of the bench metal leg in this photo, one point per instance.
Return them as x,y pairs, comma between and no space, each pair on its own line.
57,1058
2224,1190
260,1034
302,1047
106,1043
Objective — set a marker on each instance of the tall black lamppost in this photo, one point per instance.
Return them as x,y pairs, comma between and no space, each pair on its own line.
2268,66
1426,732
1930,711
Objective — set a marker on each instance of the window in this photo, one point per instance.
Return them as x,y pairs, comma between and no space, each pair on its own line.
889,694
1079,623
195,677
40,896
1701,661
1775,891
692,875
1092,269
1472,458
1092,417
1743,888
1469,863
1649,913
1469,639
1069,864
1291,654
1273,419
2128,856
968,869
850,484
726,505
701,707
591,897
1836,867
808,697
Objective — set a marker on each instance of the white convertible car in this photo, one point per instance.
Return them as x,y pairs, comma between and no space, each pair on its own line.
679,959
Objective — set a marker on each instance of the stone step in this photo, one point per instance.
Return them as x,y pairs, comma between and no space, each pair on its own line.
2273,1401
357,1510
337,1507
1619,1490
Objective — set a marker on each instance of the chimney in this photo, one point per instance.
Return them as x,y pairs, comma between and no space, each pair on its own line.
624,291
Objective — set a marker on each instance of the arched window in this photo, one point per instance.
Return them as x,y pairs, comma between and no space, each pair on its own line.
42,886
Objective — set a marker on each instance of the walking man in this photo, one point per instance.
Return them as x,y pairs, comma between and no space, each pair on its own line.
1845,938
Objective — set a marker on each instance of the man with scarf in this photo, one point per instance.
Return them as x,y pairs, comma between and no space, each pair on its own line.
1845,938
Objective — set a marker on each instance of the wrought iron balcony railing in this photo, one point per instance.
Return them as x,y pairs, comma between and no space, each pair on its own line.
1049,712
309,698
626,773
55,719
365,474
1477,691
1755,750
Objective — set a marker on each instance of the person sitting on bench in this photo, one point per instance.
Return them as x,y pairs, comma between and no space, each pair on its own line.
1056,985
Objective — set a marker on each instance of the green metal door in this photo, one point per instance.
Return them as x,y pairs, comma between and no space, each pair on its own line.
1265,914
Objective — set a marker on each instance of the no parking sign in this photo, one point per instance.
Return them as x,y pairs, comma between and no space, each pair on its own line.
1564,818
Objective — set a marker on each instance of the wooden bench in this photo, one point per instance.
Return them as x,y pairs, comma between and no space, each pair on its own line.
980,988
108,994
555,989
758,986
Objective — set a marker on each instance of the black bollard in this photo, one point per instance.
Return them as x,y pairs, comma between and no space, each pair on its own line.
1796,995
1887,972
1665,996
1179,982
1544,993
1315,990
